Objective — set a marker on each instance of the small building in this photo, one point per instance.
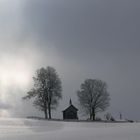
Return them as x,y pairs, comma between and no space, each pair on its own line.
70,112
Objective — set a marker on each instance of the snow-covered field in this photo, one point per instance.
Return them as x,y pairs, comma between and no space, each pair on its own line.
28,129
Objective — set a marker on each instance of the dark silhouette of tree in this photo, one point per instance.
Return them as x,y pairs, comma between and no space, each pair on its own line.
47,90
93,96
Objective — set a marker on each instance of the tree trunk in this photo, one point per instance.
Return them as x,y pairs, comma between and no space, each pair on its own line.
46,114
93,114
90,117
49,110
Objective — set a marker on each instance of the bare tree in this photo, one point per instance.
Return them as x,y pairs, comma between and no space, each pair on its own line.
108,116
46,91
93,96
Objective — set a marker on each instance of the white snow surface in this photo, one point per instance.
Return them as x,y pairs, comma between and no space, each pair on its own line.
30,129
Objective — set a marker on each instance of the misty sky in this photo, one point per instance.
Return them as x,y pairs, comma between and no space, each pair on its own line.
80,39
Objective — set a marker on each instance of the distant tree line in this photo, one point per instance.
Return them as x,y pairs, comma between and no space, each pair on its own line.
47,91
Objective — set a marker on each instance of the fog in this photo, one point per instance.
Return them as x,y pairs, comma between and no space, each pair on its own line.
80,39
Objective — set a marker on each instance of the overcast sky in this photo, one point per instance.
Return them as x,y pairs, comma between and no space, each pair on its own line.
80,39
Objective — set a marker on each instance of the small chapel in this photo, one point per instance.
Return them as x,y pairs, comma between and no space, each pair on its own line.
70,112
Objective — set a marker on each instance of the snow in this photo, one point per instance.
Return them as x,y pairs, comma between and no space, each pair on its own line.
30,129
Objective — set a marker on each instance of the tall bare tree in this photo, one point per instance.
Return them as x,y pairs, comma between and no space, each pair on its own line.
93,96
47,90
